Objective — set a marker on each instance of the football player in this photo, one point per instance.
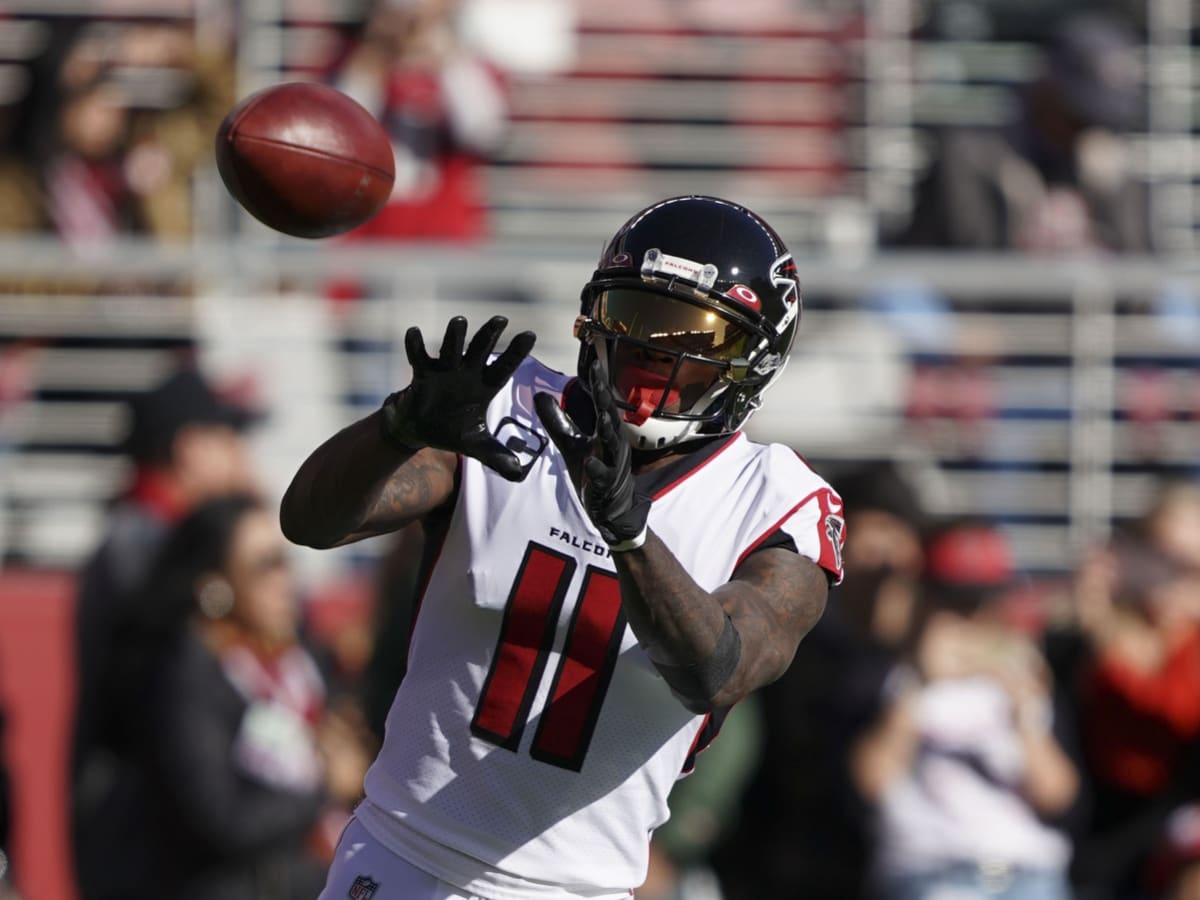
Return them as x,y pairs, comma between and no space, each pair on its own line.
612,565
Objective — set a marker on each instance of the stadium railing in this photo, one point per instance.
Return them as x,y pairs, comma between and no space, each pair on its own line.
1061,443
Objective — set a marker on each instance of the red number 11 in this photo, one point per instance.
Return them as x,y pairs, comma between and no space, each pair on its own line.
526,637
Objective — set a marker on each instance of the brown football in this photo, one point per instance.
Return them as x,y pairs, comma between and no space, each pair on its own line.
305,159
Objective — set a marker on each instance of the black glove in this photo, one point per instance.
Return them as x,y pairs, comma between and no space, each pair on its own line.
600,465
446,404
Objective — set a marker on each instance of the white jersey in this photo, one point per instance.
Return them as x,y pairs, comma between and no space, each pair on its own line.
532,744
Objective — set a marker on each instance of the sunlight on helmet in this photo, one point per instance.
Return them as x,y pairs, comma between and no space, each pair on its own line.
691,312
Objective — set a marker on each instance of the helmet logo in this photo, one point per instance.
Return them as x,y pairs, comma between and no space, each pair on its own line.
745,296
618,261
783,276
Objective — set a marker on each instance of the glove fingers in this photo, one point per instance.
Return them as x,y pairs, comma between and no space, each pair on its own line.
452,342
483,342
414,346
608,417
562,430
602,396
599,475
495,456
506,363
607,438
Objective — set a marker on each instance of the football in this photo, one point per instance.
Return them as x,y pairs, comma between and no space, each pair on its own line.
305,159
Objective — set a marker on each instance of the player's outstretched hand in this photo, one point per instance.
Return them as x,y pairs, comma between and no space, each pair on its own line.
600,465
446,403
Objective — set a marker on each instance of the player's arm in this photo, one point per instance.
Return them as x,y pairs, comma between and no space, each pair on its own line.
356,485
714,648
399,463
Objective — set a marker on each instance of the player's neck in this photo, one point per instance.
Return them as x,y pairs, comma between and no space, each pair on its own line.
649,460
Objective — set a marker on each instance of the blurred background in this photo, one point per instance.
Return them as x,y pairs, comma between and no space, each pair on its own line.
994,209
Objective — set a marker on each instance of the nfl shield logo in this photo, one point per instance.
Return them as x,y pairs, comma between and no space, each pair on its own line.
363,888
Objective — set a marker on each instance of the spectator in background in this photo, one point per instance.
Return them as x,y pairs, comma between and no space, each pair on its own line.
963,765
886,514
804,831
443,107
185,443
254,772
1172,522
705,809
1138,685
170,142
130,117
1058,178
1175,868
87,196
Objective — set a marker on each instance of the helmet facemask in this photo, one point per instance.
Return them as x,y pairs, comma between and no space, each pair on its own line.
672,362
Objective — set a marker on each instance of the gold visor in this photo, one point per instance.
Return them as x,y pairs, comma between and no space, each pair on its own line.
673,325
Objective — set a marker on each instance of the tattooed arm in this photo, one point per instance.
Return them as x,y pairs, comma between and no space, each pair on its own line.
712,648
400,462
773,599
355,486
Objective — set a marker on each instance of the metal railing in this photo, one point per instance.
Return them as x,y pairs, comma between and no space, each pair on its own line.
1053,454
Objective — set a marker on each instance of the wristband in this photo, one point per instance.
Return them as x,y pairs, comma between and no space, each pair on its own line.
390,427
632,544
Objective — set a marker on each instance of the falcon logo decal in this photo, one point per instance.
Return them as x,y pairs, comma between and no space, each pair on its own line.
835,527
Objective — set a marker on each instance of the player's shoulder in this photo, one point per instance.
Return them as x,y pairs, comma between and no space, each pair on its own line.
784,466
813,511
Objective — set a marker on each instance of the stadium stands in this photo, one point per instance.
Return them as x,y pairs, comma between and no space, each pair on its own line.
813,116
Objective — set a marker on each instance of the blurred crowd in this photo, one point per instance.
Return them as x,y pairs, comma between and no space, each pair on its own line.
105,126
953,729
107,120
215,752
1059,177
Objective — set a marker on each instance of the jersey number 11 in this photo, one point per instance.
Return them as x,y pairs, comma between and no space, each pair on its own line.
585,666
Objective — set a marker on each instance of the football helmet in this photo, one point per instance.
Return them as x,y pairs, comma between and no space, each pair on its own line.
692,312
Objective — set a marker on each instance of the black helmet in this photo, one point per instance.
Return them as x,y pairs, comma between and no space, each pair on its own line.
692,312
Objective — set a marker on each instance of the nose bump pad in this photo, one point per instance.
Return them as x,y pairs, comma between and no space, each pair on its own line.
644,406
